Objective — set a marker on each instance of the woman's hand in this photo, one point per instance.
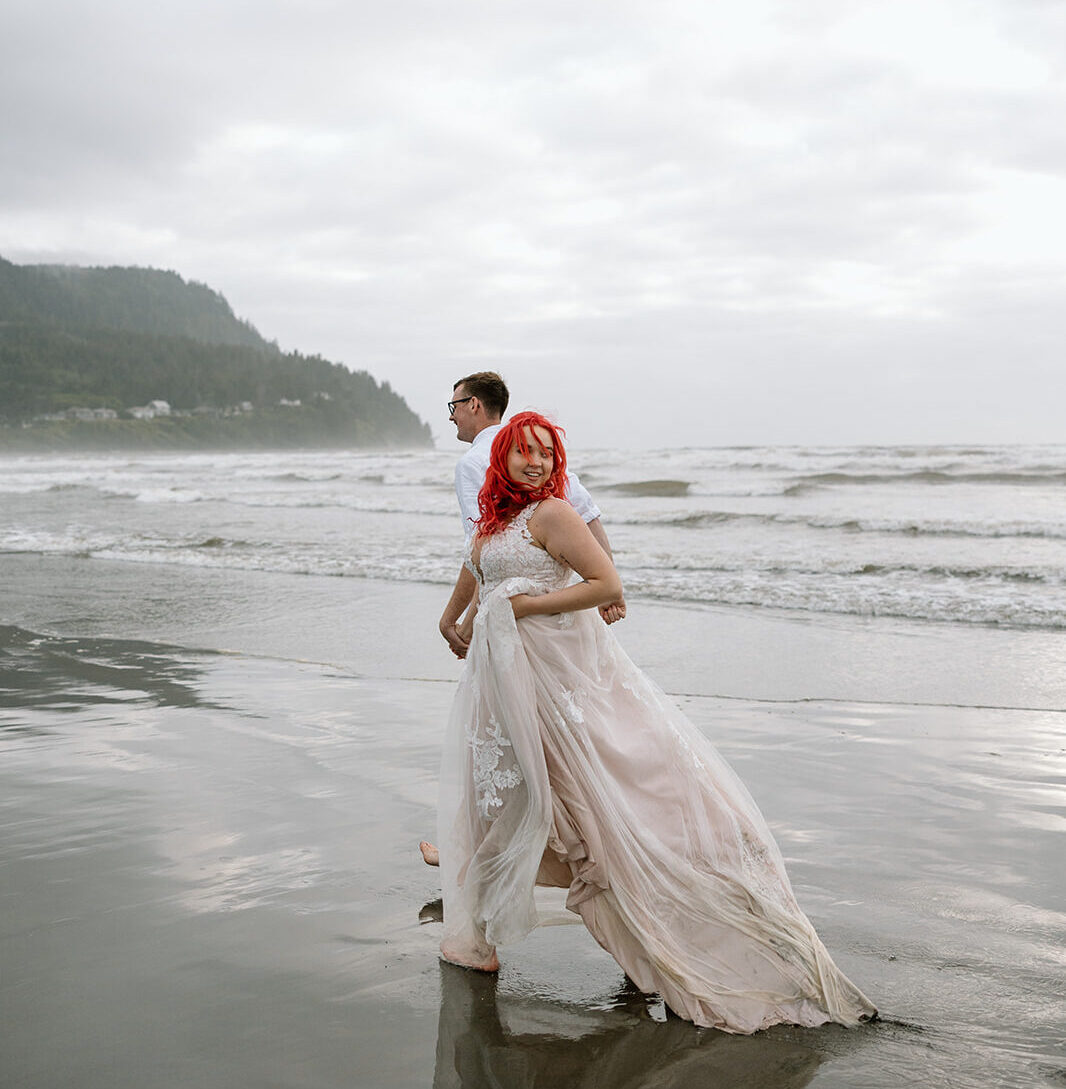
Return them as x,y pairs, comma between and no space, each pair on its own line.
520,605
457,643
613,612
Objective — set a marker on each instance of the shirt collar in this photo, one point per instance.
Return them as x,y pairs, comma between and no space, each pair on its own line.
486,434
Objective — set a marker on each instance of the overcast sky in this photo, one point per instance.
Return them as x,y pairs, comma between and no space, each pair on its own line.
668,223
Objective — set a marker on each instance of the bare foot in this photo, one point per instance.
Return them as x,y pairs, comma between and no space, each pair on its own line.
490,965
430,854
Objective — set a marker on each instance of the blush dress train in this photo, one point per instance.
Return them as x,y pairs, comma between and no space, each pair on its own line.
565,765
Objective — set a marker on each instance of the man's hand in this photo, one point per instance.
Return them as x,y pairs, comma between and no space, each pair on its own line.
614,610
465,627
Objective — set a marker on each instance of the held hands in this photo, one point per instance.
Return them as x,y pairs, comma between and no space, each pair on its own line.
457,633
465,627
458,636
457,644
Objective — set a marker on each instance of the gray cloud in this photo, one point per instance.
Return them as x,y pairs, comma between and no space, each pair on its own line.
797,219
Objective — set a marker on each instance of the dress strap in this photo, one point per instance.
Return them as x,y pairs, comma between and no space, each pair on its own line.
521,519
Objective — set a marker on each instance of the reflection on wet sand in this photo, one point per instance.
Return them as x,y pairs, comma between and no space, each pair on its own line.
486,1038
71,674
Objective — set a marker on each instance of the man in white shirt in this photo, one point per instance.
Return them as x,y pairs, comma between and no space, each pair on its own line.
477,407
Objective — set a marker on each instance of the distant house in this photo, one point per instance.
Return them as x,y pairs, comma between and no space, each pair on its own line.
78,413
150,410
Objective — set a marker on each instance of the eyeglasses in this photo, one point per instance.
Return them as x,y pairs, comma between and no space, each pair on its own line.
452,404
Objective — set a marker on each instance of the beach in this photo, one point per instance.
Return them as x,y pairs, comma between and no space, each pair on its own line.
210,820
220,726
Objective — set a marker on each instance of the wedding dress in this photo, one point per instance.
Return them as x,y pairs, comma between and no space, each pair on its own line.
565,765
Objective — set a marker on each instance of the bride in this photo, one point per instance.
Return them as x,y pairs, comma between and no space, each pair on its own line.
564,765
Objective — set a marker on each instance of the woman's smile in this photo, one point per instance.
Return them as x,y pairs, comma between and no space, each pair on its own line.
532,469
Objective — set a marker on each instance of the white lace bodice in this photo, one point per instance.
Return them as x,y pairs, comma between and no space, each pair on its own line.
512,553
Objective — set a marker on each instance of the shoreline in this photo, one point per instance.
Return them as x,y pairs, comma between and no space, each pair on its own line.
208,436
387,629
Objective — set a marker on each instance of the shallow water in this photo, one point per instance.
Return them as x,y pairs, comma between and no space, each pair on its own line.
968,536
209,873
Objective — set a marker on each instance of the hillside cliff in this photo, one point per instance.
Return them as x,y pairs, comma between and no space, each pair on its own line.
82,347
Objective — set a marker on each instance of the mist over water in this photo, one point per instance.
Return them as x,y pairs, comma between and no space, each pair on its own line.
973,535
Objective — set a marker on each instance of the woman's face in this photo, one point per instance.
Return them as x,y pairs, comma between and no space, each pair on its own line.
531,471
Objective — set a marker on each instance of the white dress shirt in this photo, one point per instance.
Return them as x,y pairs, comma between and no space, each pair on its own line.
470,473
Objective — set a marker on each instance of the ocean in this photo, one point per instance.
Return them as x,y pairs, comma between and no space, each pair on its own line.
959,535
222,697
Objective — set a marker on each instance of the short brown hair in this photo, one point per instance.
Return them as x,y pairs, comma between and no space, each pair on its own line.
489,388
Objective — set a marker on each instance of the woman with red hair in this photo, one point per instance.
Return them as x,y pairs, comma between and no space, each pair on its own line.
565,765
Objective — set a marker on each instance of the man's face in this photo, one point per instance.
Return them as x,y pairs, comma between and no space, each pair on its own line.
464,418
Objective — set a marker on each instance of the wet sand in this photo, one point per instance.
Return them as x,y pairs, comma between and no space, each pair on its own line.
212,787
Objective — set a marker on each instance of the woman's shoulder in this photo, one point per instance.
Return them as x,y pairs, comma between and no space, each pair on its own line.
553,512
553,506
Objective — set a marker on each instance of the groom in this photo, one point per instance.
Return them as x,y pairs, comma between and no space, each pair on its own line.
477,407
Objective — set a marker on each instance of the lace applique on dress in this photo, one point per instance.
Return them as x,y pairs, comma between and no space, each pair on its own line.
513,553
760,870
573,712
686,748
489,778
637,686
632,682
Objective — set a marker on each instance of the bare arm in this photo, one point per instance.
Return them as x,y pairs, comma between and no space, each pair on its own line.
612,610
559,528
462,595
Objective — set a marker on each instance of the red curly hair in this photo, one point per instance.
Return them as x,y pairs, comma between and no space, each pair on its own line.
500,498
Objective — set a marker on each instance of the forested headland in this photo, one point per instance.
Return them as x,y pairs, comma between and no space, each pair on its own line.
105,358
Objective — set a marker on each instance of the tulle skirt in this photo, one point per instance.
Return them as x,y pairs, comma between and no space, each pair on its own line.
565,765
